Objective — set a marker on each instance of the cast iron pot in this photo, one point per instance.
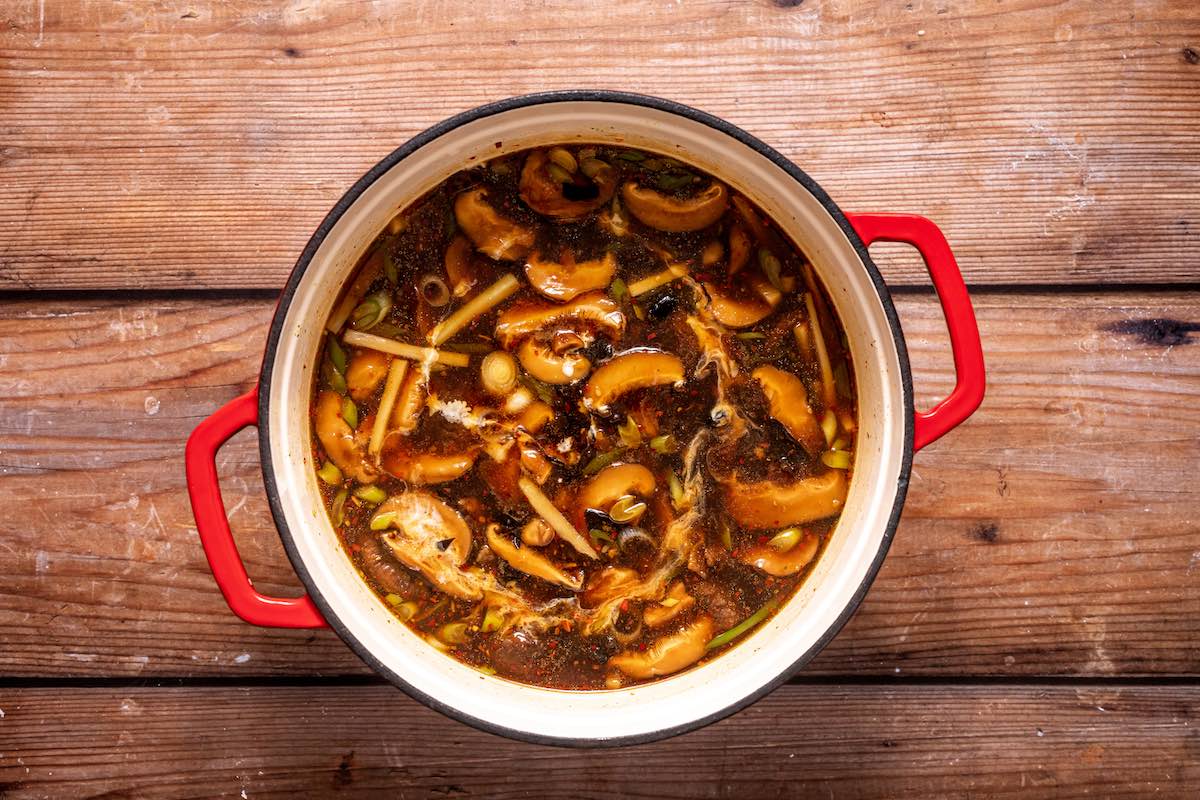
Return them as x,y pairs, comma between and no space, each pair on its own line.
890,430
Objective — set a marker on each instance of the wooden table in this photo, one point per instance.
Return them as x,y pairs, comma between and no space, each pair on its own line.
1036,628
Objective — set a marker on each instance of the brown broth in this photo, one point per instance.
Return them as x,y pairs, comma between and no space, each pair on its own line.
427,553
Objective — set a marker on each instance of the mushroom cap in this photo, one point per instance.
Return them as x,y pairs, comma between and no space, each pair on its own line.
540,361
346,448
494,235
636,369
668,654
530,561
787,400
419,524
592,310
544,194
788,562
568,279
764,505
672,214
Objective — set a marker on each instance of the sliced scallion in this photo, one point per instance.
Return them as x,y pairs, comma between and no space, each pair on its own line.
663,443
771,266
836,459
617,289
749,622
750,336
631,435
370,494
336,354
330,473
493,621
382,521
602,460
338,509
349,412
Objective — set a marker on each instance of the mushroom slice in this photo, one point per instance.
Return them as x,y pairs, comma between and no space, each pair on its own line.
675,603
765,504
365,372
788,403
530,561
595,308
429,536
463,272
539,360
788,562
673,214
741,309
609,583
637,369
668,654
739,248
570,278
565,201
612,482
424,468
493,235
346,448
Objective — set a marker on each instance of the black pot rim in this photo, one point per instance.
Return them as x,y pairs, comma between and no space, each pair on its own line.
406,149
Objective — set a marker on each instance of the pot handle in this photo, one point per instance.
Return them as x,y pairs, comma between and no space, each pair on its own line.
956,305
213,526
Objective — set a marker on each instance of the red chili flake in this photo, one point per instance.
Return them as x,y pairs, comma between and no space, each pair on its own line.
553,644
642,646
624,605
762,539
651,336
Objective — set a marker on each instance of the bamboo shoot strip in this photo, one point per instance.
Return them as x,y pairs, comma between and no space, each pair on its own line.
391,389
554,518
828,390
366,276
480,304
409,351
651,282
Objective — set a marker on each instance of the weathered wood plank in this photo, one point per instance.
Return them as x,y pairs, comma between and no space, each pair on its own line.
184,145
932,741
1054,534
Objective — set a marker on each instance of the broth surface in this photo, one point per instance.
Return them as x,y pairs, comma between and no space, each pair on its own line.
584,417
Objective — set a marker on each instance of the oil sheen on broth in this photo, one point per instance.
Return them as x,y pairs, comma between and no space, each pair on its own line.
584,417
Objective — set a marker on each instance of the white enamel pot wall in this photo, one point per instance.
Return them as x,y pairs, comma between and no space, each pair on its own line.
889,428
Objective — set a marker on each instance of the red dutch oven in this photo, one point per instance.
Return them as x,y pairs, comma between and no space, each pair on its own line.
890,429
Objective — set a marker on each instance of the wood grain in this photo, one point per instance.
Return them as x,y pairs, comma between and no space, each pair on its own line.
199,144
836,741
1054,534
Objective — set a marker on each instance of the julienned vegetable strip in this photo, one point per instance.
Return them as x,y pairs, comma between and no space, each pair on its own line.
749,622
409,351
391,390
481,303
651,282
554,518
828,389
354,294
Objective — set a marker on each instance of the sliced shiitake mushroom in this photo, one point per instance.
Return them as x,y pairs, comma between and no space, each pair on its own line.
593,310
668,654
629,371
551,189
762,505
674,214
779,563
787,400
744,305
530,561
346,447
494,235
566,279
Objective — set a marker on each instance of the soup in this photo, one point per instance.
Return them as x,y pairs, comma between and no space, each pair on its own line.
584,417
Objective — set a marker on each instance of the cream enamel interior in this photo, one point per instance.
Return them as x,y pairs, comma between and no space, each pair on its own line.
691,695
